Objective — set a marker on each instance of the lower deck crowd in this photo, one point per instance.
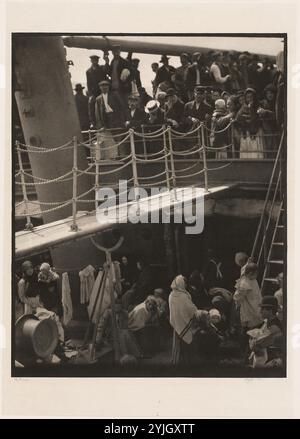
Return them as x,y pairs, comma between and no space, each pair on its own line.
194,323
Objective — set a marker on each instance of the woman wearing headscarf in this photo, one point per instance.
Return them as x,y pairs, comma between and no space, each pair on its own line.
182,312
252,145
28,288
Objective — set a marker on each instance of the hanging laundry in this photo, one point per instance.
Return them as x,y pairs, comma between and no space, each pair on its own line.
95,299
66,299
87,280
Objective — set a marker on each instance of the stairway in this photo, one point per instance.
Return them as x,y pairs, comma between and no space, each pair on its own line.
269,245
275,258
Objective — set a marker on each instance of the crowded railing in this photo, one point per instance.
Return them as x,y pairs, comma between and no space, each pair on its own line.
122,149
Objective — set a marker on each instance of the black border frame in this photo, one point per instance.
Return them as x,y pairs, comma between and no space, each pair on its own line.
179,373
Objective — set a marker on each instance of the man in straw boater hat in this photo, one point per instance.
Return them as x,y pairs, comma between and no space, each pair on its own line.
94,75
156,118
156,115
82,105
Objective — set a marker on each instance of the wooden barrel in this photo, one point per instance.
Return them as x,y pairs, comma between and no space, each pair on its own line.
34,338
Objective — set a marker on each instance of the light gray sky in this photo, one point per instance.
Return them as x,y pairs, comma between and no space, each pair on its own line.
80,57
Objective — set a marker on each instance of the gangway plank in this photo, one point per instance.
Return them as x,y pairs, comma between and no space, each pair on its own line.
54,234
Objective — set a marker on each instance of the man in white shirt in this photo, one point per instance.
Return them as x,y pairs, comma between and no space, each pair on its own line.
109,109
215,70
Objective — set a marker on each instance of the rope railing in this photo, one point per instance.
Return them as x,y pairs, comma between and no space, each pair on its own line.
168,156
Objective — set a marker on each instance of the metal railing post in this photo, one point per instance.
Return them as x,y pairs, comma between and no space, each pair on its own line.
166,159
172,161
144,142
29,225
199,142
204,159
134,165
232,141
74,226
97,158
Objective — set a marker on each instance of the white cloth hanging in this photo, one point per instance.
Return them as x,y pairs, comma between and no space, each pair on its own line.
106,302
66,299
95,299
87,280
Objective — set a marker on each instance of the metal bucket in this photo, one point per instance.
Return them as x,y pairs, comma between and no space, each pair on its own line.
34,338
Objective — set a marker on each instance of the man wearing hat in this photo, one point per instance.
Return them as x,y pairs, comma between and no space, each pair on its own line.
197,74
165,72
94,75
197,110
216,70
119,71
173,109
108,108
266,342
134,116
182,70
82,105
156,118
136,83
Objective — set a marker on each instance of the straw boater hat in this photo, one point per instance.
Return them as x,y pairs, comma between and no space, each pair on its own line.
152,106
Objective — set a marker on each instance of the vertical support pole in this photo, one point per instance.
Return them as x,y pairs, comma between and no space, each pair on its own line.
232,141
112,302
97,159
166,159
199,142
29,225
265,241
74,226
204,159
134,165
144,142
172,161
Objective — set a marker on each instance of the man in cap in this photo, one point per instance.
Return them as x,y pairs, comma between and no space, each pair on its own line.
119,71
165,72
219,78
197,74
82,105
154,67
173,109
182,70
94,75
136,83
109,109
134,116
197,110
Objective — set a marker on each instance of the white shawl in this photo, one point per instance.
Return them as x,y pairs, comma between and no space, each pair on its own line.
182,309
